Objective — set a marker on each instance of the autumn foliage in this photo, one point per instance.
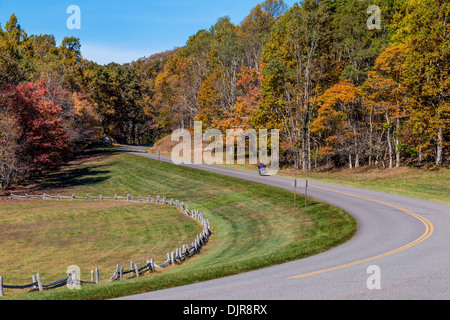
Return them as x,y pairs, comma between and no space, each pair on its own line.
42,140
340,94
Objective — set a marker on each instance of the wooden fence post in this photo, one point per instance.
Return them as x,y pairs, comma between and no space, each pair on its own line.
39,281
74,279
97,275
306,191
131,268
294,184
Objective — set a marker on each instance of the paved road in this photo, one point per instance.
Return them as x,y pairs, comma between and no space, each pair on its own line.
406,239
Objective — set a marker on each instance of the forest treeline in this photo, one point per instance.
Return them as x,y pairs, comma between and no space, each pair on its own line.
341,93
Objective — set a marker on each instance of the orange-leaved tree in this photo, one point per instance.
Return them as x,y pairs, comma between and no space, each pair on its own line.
338,121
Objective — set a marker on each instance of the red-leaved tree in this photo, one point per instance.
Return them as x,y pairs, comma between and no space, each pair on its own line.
42,141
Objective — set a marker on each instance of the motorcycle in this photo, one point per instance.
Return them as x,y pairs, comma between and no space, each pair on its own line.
262,170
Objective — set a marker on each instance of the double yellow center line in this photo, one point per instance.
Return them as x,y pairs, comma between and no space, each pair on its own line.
428,232
428,227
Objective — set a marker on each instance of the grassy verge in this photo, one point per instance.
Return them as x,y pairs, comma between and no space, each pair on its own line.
428,183
253,225
431,184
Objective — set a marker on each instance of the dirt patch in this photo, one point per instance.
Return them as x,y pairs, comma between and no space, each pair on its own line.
166,145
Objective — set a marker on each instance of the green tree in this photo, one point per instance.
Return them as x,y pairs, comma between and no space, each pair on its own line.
425,33
294,60
16,61
255,29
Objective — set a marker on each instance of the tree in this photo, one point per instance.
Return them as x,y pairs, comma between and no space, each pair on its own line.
386,98
175,97
255,29
293,64
10,166
340,121
247,101
16,63
426,69
208,99
355,48
43,142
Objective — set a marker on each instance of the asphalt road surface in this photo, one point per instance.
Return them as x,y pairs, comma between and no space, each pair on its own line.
401,251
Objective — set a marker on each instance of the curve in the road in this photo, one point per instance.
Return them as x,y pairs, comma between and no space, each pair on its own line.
387,226
428,232
428,227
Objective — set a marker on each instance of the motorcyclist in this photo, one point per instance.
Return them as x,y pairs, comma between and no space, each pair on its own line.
261,167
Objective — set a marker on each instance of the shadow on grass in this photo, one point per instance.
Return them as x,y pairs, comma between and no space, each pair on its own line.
75,177
73,174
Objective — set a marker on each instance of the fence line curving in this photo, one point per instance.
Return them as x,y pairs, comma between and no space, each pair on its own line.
181,253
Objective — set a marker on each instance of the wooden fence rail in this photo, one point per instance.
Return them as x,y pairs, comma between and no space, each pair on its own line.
181,253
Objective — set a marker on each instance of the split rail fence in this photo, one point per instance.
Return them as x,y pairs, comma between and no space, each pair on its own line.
181,254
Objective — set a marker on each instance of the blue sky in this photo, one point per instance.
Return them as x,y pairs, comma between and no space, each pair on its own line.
123,31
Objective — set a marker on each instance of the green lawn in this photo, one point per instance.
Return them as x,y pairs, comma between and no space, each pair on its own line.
49,236
428,184
253,225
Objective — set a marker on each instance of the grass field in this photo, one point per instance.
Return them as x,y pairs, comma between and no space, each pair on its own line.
253,225
48,236
431,184
428,184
